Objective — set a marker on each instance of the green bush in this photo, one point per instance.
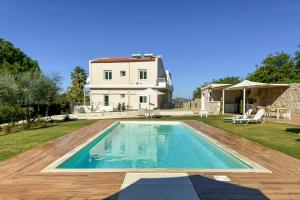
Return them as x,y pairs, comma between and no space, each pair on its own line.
6,129
123,107
40,123
66,118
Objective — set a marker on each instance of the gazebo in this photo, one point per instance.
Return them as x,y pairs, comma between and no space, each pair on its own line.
271,95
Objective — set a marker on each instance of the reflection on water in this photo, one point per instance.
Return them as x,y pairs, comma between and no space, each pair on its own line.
132,143
135,145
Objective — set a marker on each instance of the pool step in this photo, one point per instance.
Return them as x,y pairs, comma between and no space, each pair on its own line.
158,186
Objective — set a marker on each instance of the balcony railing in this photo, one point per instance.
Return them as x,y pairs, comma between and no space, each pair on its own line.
160,82
163,82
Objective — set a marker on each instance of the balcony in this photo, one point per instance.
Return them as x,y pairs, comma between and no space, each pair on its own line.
157,83
163,82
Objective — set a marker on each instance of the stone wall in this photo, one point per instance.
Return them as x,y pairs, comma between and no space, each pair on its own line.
214,107
193,105
281,97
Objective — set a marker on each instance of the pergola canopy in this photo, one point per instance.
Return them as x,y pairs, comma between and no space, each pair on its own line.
246,84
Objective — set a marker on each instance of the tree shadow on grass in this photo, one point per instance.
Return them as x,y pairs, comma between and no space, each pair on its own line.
293,130
177,188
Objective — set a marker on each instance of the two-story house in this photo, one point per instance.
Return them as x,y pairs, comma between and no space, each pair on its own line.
118,80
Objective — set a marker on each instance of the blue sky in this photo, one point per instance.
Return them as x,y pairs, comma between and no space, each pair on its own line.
199,40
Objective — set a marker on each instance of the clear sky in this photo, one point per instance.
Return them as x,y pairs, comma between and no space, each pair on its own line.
199,40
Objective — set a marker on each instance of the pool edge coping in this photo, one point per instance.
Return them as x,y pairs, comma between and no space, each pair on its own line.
255,167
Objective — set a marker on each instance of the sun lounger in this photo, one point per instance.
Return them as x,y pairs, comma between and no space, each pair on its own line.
258,118
245,116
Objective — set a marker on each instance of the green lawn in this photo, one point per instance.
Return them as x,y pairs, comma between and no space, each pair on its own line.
281,137
16,143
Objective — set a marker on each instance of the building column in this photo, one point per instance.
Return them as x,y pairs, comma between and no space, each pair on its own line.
244,101
223,101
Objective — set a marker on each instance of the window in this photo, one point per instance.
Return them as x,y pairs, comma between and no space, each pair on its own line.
106,100
122,95
107,75
143,74
143,99
122,73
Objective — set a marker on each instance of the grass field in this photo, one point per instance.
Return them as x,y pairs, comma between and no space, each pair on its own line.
16,143
278,136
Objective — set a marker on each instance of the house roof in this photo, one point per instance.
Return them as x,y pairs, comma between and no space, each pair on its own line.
216,86
120,59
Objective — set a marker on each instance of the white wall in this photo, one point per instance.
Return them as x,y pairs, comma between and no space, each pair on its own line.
131,98
132,73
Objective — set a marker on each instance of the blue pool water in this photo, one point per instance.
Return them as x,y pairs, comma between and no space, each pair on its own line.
152,145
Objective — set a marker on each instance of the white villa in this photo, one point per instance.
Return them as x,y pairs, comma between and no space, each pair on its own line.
119,80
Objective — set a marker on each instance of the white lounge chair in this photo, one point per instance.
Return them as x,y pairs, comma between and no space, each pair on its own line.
256,119
245,116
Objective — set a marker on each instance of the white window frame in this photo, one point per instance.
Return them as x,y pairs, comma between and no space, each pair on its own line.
145,72
144,99
109,75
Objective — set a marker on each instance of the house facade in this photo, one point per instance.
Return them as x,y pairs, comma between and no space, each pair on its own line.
114,81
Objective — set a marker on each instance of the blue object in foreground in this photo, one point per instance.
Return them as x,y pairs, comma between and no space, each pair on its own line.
152,145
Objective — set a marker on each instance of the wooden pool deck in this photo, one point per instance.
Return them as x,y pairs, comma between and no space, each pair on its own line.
21,176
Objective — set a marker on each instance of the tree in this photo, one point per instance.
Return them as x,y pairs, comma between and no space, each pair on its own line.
22,93
228,80
23,87
14,60
63,101
197,93
296,58
10,109
277,68
75,92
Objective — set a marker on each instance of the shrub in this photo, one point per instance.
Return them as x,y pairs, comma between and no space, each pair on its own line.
41,123
119,107
6,129
123,107
81,110
66,118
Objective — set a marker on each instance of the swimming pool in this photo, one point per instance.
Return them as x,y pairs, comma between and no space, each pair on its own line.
151,145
